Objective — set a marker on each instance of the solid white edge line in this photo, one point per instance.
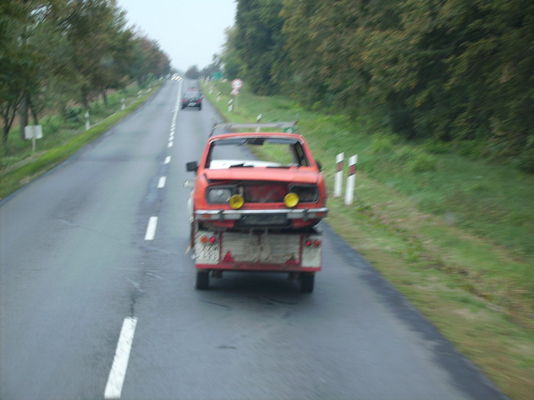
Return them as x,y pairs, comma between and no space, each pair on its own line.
151,228
161,182
167,160
120,361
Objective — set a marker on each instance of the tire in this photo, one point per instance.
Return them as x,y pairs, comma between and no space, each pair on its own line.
200,107
307,281
203,280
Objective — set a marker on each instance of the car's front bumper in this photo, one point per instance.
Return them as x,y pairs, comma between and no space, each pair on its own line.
233,215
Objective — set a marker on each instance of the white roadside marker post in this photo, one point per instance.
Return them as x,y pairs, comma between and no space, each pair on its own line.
123,104
339,175
258,120
351,180
87,122
230,105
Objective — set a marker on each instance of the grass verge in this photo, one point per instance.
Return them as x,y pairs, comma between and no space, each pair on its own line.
31,167
452,234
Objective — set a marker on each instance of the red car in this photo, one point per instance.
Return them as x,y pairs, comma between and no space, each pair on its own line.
257,188
233,191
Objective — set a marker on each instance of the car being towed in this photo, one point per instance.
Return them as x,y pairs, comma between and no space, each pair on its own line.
256,210
233,189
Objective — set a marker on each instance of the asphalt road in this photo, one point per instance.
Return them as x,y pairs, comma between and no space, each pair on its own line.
77,260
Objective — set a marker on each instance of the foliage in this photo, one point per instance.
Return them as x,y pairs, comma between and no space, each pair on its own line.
455,236
56,52
259,43
213,68
192,72
449,71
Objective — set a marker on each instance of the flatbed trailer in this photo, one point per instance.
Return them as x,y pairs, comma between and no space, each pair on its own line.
297,253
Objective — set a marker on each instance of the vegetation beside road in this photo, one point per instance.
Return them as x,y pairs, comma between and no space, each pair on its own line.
61,140
452,234
454,71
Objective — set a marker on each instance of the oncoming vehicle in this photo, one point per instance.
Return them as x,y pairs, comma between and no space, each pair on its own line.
256,200
192,98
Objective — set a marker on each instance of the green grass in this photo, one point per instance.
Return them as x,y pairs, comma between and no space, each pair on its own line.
20,167
452,234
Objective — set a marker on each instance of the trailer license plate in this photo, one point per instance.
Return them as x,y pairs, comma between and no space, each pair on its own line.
264,219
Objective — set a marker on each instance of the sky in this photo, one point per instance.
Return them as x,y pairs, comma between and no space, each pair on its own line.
189,31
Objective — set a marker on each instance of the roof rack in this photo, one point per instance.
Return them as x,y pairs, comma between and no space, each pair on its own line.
287,126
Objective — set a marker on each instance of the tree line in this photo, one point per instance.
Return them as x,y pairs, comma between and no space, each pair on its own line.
446,70
58,52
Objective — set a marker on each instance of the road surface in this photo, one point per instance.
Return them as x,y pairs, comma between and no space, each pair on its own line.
97,298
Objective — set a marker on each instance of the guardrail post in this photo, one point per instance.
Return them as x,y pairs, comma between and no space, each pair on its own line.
339,175
351,180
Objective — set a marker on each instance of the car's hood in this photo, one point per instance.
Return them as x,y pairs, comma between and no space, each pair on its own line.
297,175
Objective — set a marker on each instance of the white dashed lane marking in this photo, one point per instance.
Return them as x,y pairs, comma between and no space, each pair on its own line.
120,361
161,182
167,160
151,228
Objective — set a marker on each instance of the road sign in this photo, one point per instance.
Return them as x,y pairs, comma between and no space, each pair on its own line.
33,132
237,83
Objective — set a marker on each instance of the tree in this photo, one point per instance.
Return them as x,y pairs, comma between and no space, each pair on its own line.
260,43
192,72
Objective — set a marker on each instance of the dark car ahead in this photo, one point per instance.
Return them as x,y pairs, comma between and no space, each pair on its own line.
192,98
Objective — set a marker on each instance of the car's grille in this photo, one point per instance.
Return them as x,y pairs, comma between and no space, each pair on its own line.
265,193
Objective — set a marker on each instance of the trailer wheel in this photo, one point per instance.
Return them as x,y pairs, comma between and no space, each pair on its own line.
307,280
203,280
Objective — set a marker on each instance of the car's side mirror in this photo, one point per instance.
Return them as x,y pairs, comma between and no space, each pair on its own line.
191,166
319,165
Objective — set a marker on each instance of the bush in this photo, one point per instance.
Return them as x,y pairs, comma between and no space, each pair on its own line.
382,144
422,162
73,116
525,161
51,124
404,153
437,147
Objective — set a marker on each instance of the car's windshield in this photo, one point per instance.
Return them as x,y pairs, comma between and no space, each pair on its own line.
251,152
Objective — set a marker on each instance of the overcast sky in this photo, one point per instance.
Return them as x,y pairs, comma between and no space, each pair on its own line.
189,31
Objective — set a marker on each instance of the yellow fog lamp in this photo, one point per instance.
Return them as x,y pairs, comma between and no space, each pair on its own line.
291,200
236,201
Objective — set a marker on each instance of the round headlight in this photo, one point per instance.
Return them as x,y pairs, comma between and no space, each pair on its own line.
291,200
236,201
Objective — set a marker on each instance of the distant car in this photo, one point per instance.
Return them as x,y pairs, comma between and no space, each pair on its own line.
192,98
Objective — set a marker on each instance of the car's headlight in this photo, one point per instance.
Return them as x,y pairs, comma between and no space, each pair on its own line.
219,195
306,193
